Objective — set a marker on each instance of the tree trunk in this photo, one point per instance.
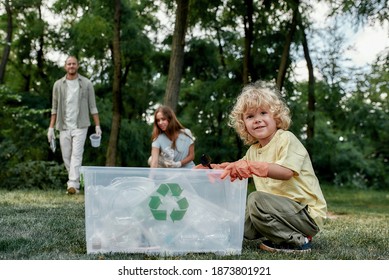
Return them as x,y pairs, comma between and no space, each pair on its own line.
116,90
220,47
311,93
40,53
285,54
8,41
177,56
248,40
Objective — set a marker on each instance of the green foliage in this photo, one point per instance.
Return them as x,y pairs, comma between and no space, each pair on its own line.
41,175
134,140
135,143
365,11
351,132
23,144
90,36
206,114
340,161
21,128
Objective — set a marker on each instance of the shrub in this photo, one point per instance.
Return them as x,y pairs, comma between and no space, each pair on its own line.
34,174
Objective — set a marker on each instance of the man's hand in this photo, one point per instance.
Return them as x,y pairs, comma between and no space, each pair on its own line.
50,134
98,130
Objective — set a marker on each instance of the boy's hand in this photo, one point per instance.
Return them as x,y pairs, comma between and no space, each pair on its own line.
243,169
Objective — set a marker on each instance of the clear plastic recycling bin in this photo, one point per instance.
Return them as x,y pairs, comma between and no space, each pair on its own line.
165,211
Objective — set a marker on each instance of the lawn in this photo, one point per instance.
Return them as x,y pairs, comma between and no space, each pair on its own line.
49,225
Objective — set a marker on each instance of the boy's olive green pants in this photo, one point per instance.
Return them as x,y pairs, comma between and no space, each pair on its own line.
278,219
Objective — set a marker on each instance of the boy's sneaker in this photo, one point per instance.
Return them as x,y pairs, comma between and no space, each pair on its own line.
72,190
269,246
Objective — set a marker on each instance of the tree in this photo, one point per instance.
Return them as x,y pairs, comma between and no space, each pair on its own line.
8,41
289,39
362,11
239,41
116,88
176,64
117,55
248,40
311,93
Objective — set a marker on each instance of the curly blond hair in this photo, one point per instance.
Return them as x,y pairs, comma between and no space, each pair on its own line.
258,95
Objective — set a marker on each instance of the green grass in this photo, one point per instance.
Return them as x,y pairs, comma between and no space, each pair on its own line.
49,225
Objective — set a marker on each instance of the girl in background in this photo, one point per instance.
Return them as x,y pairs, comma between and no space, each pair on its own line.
172,144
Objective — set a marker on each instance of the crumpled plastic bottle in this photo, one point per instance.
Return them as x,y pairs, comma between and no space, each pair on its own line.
52,144
167,154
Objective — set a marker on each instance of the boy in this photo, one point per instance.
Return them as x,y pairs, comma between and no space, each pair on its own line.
288,208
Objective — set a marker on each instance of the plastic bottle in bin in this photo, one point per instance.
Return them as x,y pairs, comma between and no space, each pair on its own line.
96,242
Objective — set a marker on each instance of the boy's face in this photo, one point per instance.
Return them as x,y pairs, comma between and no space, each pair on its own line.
260,124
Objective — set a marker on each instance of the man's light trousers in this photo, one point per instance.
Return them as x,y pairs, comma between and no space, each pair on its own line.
72,143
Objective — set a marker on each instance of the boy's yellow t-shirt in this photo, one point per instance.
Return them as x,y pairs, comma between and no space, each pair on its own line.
286,150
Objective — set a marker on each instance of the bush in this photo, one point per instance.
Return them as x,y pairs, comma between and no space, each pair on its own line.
34,174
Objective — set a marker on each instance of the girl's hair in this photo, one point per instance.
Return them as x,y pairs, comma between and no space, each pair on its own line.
258,95
174,126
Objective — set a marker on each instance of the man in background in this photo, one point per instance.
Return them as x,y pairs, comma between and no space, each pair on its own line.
73,100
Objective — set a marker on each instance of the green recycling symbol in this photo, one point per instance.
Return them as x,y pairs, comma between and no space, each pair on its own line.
165,191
